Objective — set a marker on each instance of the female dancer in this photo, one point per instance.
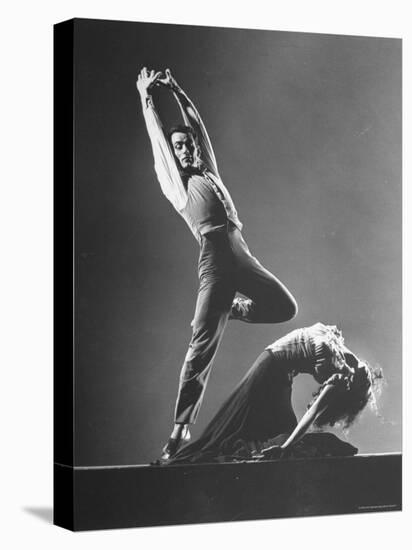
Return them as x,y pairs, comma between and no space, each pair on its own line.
259,411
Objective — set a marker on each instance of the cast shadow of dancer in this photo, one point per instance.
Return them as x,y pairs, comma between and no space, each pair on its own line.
186,168
257,421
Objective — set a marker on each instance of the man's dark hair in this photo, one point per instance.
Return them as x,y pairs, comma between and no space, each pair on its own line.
181,128
188,130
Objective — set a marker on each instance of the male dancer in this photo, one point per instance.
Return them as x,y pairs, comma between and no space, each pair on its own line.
186,168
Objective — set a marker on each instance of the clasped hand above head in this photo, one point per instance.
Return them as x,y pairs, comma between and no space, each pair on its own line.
146,80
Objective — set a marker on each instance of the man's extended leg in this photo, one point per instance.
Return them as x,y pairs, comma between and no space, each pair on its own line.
212,310
214,300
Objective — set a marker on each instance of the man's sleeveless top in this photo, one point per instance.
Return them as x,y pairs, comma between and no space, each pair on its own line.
209,206
315,350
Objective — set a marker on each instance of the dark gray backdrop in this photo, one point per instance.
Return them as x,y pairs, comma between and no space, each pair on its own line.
307,134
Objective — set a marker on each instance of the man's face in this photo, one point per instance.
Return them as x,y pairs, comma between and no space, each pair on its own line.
184,149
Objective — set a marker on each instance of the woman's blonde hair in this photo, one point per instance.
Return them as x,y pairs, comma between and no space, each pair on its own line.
353,391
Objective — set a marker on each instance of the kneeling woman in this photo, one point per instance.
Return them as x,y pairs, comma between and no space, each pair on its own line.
258,421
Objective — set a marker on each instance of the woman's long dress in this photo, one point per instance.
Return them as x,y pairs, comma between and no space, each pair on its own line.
260,407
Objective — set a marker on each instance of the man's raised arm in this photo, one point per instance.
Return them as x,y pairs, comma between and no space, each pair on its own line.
164,161
192,118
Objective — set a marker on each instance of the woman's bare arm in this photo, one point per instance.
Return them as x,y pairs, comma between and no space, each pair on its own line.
317,407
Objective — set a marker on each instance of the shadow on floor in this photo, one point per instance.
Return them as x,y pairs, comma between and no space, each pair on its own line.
42,512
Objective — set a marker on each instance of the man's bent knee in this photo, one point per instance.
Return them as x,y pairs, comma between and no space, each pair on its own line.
291,309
